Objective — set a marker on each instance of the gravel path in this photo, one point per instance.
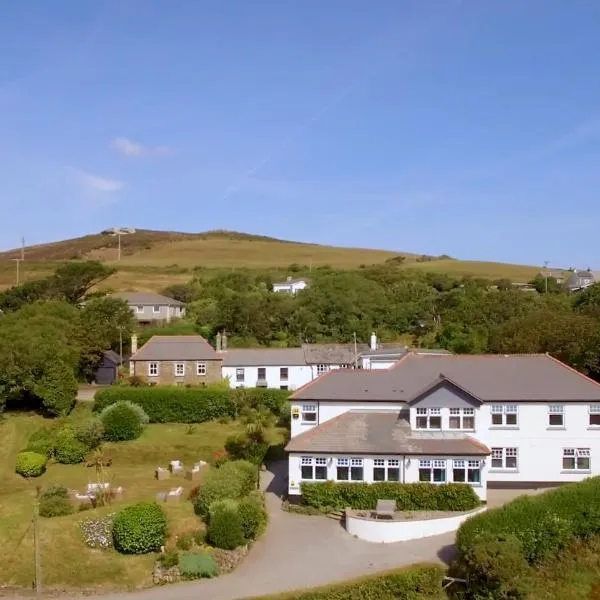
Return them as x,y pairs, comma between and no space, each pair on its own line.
299,551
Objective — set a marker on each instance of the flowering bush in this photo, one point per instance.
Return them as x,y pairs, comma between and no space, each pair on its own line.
98,533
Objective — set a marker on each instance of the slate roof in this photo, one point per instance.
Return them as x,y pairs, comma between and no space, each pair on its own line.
332,354
176,347
112,356
263,357
489,378
146,298
382,432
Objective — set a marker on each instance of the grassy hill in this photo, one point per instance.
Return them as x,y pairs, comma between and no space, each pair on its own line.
151,260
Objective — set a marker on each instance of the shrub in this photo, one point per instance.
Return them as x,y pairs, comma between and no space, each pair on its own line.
234,479
121,422
225,525
199,537
42,441
408,496
98,533
68,449
140,528
253,515
195,565
243,447
422,582
55,506
89,432
169,559
185,541
55,491
30,464
168,404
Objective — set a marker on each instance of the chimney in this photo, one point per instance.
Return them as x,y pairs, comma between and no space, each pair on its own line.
373,341
218,341
224,342
134,343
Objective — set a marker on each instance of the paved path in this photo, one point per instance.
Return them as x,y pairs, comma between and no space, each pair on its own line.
299,551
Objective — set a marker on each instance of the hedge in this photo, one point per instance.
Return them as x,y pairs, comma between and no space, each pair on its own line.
543,524
408,496
225,525
418,582
140,528
170,404
30,464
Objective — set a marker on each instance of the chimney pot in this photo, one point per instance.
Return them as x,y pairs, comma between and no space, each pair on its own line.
134,343
219,341
224,342
373,341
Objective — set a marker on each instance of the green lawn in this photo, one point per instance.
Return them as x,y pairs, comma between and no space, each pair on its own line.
67,562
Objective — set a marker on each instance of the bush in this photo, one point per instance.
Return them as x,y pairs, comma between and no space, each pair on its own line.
185,541
234,479
122,421
168,404
253,515
89,432
140,528
243,447
42,441
408,496
30,464
422,582
543,524
55,506
225,525
199,537
169,559
98,533
195,565
68,449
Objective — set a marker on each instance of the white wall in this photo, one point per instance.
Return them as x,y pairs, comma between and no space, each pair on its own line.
290,288
298,375
385,531
372,363
409,469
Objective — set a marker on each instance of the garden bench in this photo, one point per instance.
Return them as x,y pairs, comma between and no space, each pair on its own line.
174,495
385,508
161,474
176,467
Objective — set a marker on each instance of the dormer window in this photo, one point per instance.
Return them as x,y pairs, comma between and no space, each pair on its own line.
429,418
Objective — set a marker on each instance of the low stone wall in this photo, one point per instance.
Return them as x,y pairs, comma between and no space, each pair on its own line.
387,531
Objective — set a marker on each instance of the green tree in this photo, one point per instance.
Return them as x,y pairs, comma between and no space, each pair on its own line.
73,280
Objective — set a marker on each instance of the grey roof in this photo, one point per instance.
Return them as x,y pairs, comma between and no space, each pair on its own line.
112,356
146,298
176,347
290,281
400,351
489,378
331,354
263,357
381,432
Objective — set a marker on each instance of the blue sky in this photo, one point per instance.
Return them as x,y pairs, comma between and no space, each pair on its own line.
466,127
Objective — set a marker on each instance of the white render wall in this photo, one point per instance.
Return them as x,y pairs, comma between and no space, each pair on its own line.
374,363
298,375
409,469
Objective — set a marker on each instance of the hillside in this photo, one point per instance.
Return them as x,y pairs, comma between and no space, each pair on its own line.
151,260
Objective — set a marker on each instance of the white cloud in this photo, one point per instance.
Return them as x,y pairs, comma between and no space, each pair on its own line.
97,183
135,149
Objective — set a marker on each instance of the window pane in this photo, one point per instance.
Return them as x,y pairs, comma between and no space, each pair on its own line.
474,476
594,419
439,475
435,422
342,473
379,474
421,422
320,472
393,474
511,419
458,475
555,420
583,463
468,422
511,462
454,422
307,472
424,475
568,463
309,417
356,473
497,463
497,419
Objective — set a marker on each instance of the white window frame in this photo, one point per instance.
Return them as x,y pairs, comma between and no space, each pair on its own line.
201,368
139,308
179,372
153,369
156,308
554,410
258,370
577,454
309,409
357,463
433,465
317,464
467,467
505,410
462,414
428,413
321,369
503,455
240,371
594,411
387,464
283,377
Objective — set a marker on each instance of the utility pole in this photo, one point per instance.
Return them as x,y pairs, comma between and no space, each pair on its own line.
120,345
36,545
18,261
355,352
119,238
22,247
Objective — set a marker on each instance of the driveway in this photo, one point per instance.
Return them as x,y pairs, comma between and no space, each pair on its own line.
299,551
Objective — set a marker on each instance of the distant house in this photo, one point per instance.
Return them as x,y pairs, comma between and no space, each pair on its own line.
580,280
108,370
560,275
290,286
148,307
176,360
